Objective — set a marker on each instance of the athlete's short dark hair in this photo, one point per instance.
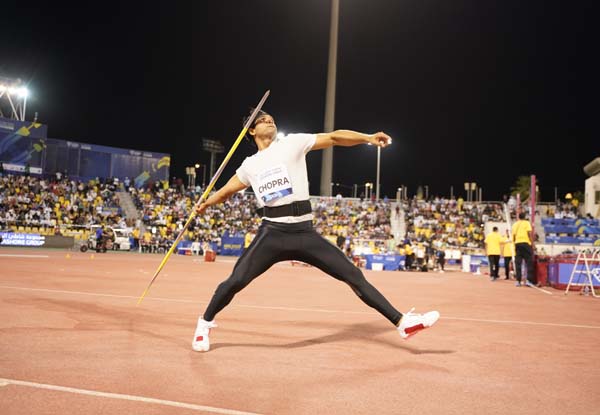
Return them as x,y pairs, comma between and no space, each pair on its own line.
260,114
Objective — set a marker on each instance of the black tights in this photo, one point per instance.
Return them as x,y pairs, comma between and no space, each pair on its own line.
277,242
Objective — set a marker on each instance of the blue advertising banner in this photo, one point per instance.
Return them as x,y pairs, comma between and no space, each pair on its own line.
559,274
22,239
21,143
25,148
87,161
232,244
23,128
390,262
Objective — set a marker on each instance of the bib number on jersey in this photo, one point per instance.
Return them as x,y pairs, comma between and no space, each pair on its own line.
274,184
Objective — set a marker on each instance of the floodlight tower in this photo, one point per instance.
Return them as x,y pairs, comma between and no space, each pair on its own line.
214,147
13,98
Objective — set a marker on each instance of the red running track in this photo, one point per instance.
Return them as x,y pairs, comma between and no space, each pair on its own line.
293,342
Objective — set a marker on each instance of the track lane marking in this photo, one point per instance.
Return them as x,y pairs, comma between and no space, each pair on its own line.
136,398
313,310
24,256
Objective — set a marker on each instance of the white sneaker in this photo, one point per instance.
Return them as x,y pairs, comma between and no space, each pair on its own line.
412,323
201,342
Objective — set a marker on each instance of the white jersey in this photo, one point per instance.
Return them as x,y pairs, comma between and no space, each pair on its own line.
278,174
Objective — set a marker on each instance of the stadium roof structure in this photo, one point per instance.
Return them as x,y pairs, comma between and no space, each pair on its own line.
593,167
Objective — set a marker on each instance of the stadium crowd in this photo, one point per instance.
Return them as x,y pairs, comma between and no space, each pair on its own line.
450,222
55,205
166,209
60,205
438,226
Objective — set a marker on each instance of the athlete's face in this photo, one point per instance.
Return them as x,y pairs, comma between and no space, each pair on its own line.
264,126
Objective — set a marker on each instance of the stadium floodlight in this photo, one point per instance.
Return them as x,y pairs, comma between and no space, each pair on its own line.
13,98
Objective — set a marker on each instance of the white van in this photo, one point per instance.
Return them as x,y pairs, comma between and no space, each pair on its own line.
121,240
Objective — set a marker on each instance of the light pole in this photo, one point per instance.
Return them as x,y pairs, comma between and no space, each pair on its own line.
369,190
327,154
470,187
198,165
191,174
378,171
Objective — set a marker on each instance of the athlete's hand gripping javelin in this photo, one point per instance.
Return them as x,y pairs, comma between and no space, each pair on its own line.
380,139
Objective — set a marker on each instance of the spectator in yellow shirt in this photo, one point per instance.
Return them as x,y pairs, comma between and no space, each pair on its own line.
522,237
492,249
508,252
410,256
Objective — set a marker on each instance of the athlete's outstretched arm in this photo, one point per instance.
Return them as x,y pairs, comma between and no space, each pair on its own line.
348,138
233,185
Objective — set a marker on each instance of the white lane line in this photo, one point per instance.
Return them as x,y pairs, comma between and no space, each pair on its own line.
24,256
303,310
532,323
126,397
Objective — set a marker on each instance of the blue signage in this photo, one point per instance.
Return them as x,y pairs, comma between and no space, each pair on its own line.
22,239
232,244
560,273
390,262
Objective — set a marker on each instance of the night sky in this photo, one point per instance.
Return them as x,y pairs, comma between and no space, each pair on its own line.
481,91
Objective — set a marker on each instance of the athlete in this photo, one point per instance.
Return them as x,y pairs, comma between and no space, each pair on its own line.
277,174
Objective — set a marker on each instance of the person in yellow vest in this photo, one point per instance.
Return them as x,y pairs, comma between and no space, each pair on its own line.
248,239
410,256
146,241
136,238
492,249
508,252
522,237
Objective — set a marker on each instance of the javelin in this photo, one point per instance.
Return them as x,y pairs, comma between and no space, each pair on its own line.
206,191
